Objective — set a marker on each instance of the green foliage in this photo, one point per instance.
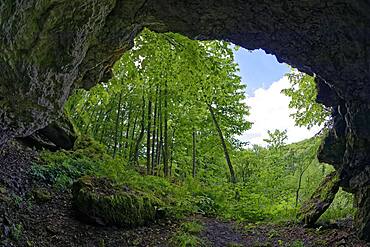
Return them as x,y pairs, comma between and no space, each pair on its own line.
302,93
182,239
342,207
192,227
16,231
267,189
186,236
160,92
297,243
277,138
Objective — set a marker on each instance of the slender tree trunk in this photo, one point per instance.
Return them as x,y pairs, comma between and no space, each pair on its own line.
104,125
159,134
300,184
227,157
166,144
171,152
141,134
148,138
103,131
90,120
125,147
154,136
117,125
131,153
122,125
97,122
194,154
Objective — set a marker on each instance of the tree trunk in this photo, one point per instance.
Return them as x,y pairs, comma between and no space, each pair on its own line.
86,129
148,138
122,125
104,126
194,154
166,147
154,132
141,135
159,134
227,157
171,152
117,125
132,138
125,147
300,183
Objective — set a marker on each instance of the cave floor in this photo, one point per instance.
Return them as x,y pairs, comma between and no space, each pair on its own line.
25,222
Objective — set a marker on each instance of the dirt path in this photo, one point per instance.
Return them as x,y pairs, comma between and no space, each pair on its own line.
219,233
222,233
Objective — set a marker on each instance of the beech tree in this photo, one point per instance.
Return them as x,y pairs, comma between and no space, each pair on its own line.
183,97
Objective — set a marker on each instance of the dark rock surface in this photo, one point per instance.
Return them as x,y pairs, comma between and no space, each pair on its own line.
60,134
320,201
50,47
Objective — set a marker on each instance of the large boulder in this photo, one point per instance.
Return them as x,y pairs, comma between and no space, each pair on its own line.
320,201
100,202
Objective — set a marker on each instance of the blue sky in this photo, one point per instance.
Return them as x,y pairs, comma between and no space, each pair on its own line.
264,77
258,69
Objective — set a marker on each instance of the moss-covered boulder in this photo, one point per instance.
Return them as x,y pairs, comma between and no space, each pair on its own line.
320,201
101,202
85,146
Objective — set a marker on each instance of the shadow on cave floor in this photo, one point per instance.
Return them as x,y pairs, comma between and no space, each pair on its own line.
33,214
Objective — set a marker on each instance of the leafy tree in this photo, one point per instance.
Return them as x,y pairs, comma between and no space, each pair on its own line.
276,138
176,94
302,93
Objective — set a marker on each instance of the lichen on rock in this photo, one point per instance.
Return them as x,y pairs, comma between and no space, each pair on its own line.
99,201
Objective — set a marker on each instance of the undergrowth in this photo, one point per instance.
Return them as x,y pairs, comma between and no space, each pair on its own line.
181,197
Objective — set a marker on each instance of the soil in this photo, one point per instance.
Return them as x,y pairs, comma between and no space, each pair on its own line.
52,223
222,233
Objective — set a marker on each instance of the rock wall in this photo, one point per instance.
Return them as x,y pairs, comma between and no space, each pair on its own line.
49,47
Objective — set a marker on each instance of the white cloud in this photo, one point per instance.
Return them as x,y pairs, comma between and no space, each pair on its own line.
269,111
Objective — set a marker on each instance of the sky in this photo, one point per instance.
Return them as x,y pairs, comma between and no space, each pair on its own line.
265,78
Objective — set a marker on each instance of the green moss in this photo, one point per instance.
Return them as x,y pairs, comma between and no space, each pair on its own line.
104,203
87,147
41,195
192,227
184,239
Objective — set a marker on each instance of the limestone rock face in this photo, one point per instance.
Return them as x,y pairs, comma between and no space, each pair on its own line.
50,47
321,199
60,134
362,201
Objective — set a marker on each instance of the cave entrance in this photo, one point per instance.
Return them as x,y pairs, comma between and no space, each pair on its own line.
179,108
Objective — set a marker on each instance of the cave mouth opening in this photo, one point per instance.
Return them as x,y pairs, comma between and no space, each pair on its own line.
329,40
160,74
